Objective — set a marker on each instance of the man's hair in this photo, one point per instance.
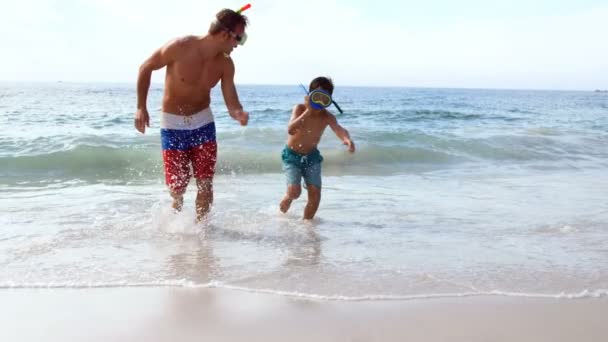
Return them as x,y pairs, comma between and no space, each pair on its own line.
227,19
324,83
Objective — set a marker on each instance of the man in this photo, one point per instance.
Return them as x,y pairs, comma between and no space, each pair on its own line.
195,64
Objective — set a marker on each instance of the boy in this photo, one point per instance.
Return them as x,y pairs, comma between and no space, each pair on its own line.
301,158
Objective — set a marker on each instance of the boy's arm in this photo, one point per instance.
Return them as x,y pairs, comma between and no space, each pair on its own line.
299,113
160,58
341,132
231,98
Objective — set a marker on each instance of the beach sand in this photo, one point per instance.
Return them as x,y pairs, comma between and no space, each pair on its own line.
202,314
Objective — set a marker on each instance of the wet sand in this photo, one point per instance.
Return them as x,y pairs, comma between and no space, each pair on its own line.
180,314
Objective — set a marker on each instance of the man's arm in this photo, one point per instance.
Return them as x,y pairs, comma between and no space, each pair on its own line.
160,58
341,132
231,98
299,113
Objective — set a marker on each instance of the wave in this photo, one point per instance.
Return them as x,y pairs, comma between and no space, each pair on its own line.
586,293
423,115
97,163
82,162
258,151
103,163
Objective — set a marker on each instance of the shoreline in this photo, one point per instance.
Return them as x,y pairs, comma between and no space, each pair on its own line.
189,314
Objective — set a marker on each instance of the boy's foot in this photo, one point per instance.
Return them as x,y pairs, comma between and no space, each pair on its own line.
285,204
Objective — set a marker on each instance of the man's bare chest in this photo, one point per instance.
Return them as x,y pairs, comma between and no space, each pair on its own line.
193,71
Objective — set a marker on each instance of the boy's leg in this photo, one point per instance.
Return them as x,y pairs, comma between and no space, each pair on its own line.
314,198
293,192
293,175
312,177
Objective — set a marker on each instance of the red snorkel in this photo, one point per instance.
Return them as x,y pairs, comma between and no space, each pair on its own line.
244,8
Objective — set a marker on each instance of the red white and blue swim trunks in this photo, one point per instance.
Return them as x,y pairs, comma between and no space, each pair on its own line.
188,140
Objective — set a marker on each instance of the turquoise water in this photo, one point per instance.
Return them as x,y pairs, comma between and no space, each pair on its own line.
451,192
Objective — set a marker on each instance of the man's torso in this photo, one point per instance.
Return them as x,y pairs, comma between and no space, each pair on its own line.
189,80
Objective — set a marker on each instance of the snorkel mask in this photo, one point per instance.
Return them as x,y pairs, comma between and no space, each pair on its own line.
240,38
320,99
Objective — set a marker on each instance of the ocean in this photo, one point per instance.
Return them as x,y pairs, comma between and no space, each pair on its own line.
451,192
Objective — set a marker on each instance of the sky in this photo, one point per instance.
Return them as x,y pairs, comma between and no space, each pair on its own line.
516,44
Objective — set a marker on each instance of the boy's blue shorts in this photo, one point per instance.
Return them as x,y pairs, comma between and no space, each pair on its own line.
298,166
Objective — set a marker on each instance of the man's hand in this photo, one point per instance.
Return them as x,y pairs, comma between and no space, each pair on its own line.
240,116
350,144
142,119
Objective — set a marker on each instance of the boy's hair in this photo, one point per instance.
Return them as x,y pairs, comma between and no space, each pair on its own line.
227,19
324,83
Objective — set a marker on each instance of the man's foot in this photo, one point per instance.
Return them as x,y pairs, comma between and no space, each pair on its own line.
201,218
285,204
177,205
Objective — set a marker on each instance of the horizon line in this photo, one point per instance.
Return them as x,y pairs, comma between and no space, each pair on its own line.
297,84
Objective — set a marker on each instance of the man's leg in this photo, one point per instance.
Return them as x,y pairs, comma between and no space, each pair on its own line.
314,198
204,197
177,175
178,200
204,158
